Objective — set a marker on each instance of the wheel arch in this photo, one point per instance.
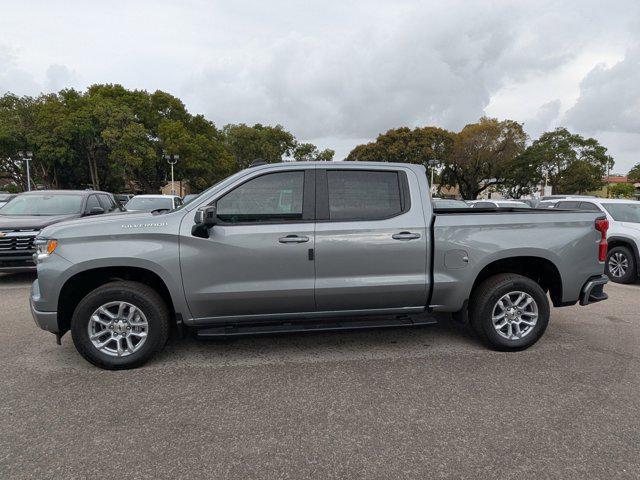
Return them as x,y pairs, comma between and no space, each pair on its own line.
76,287
541,270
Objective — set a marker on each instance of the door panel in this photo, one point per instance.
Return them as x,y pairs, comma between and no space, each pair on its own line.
359,264
256,260
247,270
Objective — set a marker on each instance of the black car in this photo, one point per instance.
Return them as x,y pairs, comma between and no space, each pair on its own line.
24,216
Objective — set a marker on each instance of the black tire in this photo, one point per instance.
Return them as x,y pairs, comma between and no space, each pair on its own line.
484,300
142,297
626,254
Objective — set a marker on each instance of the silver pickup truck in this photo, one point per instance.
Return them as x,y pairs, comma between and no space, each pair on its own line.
310,246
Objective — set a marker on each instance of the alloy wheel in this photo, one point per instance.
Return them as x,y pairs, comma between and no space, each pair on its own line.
118,329
515,315
618,264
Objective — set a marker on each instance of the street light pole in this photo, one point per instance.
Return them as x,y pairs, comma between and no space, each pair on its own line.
27,156
432,163
172,160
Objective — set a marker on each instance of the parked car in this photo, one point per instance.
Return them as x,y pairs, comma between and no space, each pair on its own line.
498,204
449,203
150,203
312,246
188,198
123,198
549,201
623,258
6,198
22,219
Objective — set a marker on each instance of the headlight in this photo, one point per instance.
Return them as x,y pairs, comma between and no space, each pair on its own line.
45,247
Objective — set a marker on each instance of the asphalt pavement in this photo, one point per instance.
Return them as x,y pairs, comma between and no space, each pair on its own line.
425,402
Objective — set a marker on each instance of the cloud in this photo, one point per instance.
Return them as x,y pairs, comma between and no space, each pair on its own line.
544,118
59,77
429,66
12,78
609,98
339,72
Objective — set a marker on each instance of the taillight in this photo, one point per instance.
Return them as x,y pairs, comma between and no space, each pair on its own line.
602,225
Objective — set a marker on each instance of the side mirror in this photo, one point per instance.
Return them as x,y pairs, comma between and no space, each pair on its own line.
96,211
204,219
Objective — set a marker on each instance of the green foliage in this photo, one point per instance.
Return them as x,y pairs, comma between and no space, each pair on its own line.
247,144
417,146
114,139
634,173
520,178
308,152
493,154
569,162
622,190
484,155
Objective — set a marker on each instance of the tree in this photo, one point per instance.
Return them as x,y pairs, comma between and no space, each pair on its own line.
622,190
417,146
17,116
520,178
109,138
308,152
569,162
482,155
634,173
246,144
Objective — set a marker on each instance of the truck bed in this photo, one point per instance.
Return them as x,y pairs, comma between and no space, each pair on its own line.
467,240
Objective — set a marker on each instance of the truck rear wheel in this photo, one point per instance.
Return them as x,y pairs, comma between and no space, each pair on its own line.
120,325
509,312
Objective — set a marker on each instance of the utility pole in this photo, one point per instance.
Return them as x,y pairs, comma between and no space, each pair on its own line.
432,163
172,160
27,156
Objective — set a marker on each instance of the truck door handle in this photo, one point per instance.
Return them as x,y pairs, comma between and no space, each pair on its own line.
405,236
293,239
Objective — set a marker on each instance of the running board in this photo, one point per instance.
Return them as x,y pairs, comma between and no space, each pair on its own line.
239,329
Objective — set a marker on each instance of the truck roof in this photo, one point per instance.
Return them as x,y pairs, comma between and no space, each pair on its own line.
338,164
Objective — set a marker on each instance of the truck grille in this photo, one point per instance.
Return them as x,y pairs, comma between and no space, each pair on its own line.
17,243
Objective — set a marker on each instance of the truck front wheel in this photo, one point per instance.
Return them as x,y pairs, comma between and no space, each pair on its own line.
120,325
509,312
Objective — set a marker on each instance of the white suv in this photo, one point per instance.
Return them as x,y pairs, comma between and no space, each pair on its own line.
623,258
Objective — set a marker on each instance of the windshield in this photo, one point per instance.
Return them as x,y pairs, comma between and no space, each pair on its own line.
624,212
449,203
42,205
149,204
190,198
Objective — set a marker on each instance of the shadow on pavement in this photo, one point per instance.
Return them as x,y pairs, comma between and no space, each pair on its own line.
17,277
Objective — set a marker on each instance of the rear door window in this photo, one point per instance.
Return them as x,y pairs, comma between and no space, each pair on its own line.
363,194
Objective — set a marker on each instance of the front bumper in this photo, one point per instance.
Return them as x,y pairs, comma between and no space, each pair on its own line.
17,261
46,320
593,290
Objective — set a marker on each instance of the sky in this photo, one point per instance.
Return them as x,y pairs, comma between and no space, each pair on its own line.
338,73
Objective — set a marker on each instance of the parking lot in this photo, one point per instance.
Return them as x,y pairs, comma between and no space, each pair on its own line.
399,403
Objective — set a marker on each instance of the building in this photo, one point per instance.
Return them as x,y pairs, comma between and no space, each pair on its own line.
181,188
611,180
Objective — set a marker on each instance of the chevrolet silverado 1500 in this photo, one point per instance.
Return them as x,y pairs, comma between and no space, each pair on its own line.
304,246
